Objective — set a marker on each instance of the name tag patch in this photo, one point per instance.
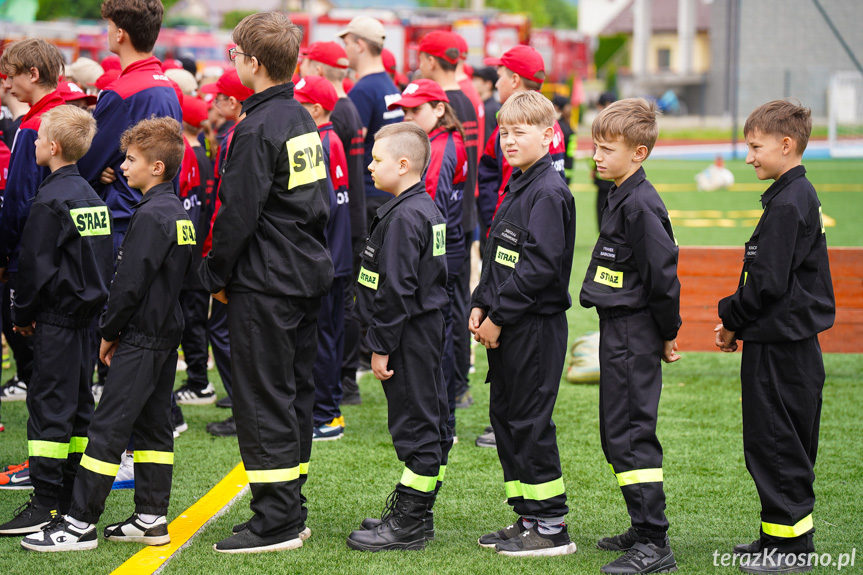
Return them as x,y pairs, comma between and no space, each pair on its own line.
370,253
439,247
185,233
306,158
92,221
368,279
608,277
607,253
506,257
751,250
511,235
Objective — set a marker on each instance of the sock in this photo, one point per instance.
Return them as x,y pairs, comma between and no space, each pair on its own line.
527,523
148,518
549,528
83,525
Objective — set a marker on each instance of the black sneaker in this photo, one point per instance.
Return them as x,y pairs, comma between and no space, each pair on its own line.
60,535
532,543
227,428
187,395
225,403
29,518
247,542
622,542
487,439
746,548
135,530
643,558
508,532
305,532
768,561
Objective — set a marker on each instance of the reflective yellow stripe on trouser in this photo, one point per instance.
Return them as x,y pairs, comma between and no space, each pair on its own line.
163,457
100,467
304,468
788,531
535,492
273,475
639,476
421,483
52,449
78,444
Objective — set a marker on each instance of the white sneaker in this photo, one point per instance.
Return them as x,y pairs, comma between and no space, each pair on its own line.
60,535
584,359
187,396
97,389
14,390
126,474
135,530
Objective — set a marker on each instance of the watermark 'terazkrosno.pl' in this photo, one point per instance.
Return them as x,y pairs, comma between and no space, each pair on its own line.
774,558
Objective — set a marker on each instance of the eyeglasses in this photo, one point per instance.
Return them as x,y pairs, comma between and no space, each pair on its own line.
233,54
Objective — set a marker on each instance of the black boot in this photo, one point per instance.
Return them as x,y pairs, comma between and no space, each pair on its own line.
403,526
428,520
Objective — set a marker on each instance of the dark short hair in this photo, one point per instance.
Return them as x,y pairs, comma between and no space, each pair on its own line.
408,140
274,40
782,118
606,98
140,19
489,74
159,140
20,56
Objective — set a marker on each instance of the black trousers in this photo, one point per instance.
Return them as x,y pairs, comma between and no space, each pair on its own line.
630,382
21,347
524,373
417,409
273,348
448,362
195,304
351,356
460,313
781,391
217,331
60,407
331,346
136,401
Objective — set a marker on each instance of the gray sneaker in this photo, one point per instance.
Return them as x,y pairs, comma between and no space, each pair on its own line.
486,439
643,558
532,543
14,390
508,532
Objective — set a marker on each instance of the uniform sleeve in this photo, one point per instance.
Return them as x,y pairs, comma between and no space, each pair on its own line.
399,268
111,120
488,180
655,255
37,266
25,177
539,263
243,192
768,275
558,152
141,256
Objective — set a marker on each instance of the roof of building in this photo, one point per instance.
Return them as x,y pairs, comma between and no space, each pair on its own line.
663,15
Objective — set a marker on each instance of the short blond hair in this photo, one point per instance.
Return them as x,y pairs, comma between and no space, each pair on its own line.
71,127
408,140
274,40
19,57
632,119
527,108
782,118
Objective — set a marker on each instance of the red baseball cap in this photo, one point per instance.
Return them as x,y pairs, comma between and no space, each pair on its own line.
389,60
462,46
195,110
329,53
109,76
111,63
171,64
523,60
419,92
347,84
70,91
441,44
316,90
229,84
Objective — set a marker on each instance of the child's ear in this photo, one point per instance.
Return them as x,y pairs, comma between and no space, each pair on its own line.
34,75
158,168
404,166
788,145
55,148
640,153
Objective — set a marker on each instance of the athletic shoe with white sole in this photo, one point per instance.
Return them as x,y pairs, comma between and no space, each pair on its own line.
532,543
14,390
248,542
135,530
29,518
491,539
305,532
188,396
18,477
328,431
60,535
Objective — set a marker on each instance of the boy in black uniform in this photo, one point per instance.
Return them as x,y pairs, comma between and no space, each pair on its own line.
141,329
402,291
519,314
632,282
784,300
271,265
64,272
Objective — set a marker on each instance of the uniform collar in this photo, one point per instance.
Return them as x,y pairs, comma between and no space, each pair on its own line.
64,172
151,62
780,183
435,133
418,188
617,194
285,91
325,127
520,180
47,102
157,190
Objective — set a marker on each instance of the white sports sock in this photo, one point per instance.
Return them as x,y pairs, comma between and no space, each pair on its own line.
147,518
83,525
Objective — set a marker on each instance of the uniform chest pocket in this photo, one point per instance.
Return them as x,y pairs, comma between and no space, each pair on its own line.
611,263
509,239
369,276
750,253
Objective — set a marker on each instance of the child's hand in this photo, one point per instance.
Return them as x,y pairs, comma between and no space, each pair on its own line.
476,317
107,349
725,339
669,350
379,366
108,176
24,330
487,334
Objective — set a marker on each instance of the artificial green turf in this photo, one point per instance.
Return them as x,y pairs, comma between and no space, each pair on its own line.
712,502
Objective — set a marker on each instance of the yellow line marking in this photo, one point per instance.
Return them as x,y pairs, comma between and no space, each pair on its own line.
591,188
150,559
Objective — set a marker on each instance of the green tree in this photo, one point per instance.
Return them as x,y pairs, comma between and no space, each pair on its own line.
81,9
543,13
232,18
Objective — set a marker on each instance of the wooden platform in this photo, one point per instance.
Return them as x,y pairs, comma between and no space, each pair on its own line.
708,274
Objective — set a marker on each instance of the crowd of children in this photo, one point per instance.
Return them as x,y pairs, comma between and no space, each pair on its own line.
332,224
